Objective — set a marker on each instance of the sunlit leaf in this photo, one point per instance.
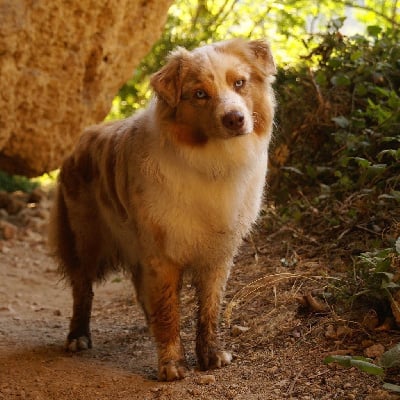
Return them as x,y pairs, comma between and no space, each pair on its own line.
374,30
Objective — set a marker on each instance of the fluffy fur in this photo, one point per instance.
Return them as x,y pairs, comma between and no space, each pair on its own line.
173,188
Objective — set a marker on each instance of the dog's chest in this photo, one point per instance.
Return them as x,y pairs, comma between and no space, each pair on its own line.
203,218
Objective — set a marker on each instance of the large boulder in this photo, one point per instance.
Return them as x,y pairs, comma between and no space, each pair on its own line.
61,64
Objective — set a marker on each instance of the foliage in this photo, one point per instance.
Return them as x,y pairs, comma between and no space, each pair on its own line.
388,360
346,135
374,278
12,183
284,22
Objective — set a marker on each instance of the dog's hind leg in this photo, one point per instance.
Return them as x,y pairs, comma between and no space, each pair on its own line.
79,337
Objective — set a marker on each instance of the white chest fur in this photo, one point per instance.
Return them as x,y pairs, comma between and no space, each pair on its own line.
205,200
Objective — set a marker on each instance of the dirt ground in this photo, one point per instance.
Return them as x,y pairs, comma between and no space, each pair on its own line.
278,346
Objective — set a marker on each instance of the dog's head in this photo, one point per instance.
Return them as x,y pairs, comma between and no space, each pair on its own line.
217,91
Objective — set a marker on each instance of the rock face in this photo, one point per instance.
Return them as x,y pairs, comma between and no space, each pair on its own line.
61,64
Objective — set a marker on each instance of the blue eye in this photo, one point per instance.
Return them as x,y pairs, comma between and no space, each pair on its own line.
200,94
239,83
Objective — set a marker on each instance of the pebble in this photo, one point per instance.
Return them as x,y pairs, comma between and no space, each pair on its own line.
9,230
330,332
206,379
374,351
343,330
237,330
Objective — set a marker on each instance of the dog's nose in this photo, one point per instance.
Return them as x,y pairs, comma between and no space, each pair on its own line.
233,120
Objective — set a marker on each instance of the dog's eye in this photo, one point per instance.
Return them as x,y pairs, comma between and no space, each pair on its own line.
200,94
239,83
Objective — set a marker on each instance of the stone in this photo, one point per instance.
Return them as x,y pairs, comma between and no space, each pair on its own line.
206,379
8,230
237,330
61,64
374,351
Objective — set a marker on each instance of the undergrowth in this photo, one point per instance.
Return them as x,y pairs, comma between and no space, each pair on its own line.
335,166
13,183
339,120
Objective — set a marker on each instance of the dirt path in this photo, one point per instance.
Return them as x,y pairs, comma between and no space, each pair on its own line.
278,351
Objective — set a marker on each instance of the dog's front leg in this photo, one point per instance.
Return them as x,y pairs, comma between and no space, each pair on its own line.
210,284
158,290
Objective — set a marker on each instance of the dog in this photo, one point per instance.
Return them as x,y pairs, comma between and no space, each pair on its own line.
173,188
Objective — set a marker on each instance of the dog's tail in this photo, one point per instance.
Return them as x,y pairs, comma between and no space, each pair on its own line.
61,237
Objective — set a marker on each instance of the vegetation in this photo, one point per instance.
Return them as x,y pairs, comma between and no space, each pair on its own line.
389,360
12,183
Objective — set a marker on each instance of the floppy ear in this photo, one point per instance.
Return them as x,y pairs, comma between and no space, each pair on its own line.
167,82
262,51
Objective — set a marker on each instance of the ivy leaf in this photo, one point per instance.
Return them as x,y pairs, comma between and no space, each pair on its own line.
362,162
341,121
391,358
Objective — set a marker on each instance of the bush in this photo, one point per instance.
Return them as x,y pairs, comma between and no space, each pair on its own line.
12,183
339,120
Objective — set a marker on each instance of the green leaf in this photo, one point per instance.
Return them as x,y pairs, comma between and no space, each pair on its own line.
356,55
376,169
340,80
390,152
341,360
374,30
391,358
341,121
367,367
362,363
362,162
391,387
293,169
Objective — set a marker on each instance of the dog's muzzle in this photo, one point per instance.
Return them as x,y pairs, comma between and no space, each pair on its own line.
235,122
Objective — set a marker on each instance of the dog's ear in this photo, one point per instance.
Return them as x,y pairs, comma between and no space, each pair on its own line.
262,51
167,82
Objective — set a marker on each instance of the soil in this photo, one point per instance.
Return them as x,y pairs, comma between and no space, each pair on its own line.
275,322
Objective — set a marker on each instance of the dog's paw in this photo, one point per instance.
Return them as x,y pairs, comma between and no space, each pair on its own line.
172,371
78,344
215,359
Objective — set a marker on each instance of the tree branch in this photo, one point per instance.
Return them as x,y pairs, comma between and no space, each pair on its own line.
392,19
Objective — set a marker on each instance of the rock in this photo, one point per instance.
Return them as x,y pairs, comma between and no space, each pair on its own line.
371,320
8,230
381,394
237,330
36,195
10,202
206,379
344,331
61,64
395,304
330,332
374,351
